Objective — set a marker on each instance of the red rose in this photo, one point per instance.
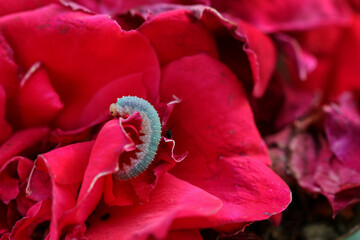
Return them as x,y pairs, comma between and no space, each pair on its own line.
60,69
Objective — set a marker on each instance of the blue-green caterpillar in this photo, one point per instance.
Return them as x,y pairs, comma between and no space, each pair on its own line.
151,128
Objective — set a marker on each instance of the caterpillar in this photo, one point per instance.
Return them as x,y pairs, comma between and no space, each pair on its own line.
151,128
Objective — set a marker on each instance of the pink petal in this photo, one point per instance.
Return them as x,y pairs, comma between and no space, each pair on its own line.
175,34
76,81
22,140
172,199
227,157
39,102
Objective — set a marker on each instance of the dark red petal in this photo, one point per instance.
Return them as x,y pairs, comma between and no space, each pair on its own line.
171,199
175,34
39,103
184,234
5,129
97,42
227,157
38,214
21,141
318,170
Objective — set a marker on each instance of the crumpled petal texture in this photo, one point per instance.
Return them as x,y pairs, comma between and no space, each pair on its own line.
326,162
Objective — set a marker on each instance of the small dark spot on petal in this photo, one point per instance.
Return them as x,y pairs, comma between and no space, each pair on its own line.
105,217
168,134
63,29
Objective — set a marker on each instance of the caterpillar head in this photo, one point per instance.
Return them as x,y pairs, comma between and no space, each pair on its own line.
113,110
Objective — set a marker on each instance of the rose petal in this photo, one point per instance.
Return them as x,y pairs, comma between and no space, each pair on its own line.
112,7
330,167
39,214
336,72
76,81
172,199
261,53
69,206
20,141
184,234
7,7
342,126
226,157
8,68
286,15
110,143
349,53
5,128
172,35
65,167
98,105
12,174
234,37
39,103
